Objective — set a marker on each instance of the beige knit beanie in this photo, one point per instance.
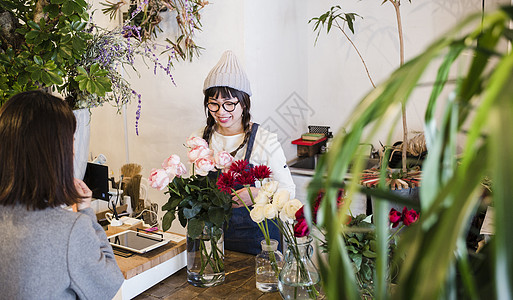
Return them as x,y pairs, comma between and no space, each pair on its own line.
228,72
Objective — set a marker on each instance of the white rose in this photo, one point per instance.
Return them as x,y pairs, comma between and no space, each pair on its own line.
261,198
290,208
257,213
270,212
280,198
269,188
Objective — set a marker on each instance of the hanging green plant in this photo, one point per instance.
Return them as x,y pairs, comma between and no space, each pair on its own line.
187,18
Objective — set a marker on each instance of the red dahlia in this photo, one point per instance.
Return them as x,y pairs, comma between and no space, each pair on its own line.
246,178
261,172
239,166
226,182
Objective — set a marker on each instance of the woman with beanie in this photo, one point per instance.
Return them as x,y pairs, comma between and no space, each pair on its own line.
47,251
229,128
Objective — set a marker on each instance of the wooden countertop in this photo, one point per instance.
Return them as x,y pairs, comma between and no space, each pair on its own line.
138,263
239,283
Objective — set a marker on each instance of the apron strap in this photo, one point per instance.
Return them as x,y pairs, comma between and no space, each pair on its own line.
251,141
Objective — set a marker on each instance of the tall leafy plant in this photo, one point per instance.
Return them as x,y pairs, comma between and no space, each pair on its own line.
479,107
40,41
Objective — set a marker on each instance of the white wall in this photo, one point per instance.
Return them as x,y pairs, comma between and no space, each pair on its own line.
294,84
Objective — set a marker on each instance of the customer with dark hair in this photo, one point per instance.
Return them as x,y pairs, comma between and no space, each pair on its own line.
47,251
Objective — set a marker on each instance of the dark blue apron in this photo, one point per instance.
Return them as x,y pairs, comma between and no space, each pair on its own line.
242,234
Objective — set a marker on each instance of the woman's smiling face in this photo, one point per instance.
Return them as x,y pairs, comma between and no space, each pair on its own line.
227,113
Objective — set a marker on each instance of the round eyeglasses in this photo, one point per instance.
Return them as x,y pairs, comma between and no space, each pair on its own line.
228,106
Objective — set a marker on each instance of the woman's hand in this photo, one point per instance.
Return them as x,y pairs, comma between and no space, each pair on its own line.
244,195
85,194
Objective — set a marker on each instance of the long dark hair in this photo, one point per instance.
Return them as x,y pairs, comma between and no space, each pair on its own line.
245,102
36,155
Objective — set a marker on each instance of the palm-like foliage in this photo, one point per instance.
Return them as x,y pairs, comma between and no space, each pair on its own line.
480,107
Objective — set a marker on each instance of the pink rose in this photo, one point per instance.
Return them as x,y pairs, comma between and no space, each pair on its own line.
173,166
223,160
203,165
199,152
173,160
159,179
195,141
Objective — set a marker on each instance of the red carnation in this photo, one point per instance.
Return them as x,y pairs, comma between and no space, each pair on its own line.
239,166
395,217
261,172
246,178
226,182
409,216
301,228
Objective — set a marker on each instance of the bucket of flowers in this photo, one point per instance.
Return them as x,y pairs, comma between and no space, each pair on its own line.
200,206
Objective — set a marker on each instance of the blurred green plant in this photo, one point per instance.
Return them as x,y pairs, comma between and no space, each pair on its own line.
479,108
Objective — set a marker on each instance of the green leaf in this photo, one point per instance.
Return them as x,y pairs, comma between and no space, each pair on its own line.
82,71
216,216
94,68
46,79
171,204
90,86
23,78
190,213
35,75
52,10
167,220
55,78
32,35
195,228
78,44
33,25
99,89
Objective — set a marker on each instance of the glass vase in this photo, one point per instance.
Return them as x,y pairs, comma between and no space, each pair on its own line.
299,278
268,264
205,258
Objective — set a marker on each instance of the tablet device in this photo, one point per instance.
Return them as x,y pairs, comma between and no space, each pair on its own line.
136,241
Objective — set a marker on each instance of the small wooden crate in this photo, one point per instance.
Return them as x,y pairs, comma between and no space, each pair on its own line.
309,148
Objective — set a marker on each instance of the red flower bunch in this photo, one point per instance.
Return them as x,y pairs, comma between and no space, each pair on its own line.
408,217
242,173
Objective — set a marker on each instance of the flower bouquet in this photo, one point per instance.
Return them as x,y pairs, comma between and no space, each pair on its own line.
200,206
275,206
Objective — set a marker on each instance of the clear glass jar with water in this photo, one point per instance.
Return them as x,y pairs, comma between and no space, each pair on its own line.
268,266
205,258
299,278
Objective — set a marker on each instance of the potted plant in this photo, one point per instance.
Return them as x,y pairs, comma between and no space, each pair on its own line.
53,45
480,105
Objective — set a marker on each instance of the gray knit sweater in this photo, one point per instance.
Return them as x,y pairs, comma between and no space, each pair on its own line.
55,254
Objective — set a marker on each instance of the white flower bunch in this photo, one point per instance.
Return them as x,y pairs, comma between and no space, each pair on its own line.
271,203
